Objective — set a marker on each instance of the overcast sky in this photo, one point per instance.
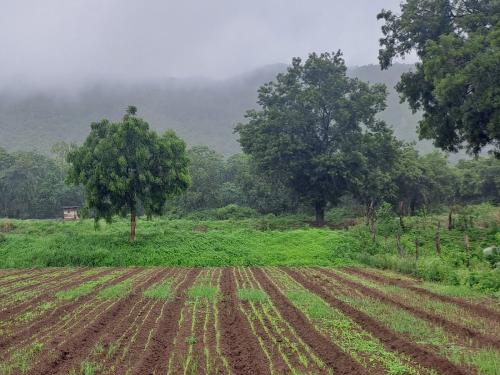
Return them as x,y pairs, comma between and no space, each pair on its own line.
71,42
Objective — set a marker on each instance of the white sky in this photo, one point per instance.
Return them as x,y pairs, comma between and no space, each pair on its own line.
72,42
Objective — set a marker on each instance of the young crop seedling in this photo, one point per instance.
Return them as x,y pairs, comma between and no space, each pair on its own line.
119,290
162,290
253,295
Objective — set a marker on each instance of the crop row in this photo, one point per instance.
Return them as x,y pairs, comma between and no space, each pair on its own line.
240,321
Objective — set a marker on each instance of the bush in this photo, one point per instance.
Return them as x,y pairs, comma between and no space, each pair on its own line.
485,280
433,269
233,211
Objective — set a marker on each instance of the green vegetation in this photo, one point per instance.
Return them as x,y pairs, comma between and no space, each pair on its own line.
486,361
162,290
119,290
272,241
202,291
170,243
342,330
124,166
252,295
84,288
20,360
456,81
316,160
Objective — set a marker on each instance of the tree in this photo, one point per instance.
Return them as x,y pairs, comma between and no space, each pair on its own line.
207,172
457,81
32,186
311,128
125,166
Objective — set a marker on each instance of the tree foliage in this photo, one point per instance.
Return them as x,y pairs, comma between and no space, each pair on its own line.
457,81
32,186
126,166
313,127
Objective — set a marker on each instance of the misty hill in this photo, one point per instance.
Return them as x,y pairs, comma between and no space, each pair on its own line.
202,111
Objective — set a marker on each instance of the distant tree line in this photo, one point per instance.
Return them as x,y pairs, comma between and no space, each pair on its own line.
32,185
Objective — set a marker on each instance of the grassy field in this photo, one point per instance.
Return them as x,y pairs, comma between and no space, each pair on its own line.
240,320
53,243
281,241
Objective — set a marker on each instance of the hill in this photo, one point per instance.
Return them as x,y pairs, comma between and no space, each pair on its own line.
202,111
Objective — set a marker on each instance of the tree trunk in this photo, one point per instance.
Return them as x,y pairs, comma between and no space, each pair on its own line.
450,219
320,214
401,214
132,226
401,250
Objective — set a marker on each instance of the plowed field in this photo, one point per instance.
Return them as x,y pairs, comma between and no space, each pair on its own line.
240,321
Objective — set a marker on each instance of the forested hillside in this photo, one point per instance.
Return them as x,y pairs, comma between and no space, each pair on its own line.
201,111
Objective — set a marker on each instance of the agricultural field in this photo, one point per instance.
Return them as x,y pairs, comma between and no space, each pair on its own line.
241,320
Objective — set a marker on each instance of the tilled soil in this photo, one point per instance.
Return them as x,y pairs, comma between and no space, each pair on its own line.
128,331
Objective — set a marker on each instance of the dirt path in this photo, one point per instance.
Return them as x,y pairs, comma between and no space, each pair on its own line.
155,358
474,308
391,340
459,330
330,354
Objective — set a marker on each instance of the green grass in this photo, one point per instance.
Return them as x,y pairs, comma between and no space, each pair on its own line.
162,290
203,292
119,290
20,360
83,289
252,295
487,361
331,322
161,242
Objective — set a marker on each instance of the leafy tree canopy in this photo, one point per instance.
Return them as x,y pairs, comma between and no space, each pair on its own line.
125,166
457,81
313,127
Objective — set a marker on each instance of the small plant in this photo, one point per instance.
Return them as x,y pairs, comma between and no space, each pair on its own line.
161,290
191,340
252,295
119,290
203,291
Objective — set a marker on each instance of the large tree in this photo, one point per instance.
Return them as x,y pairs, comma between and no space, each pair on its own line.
311,129
456,83
125,166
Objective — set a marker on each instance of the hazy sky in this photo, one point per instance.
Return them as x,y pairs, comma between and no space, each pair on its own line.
66,42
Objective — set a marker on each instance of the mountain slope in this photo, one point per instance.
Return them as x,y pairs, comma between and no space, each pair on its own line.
201,111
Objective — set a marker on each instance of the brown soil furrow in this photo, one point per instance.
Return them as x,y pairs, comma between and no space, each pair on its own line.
54,280
238,345
474,308
158,351
49,294
66,352
42,272
125,331
49,322
457,329
330,354
12,272
391,340
263,328
180,347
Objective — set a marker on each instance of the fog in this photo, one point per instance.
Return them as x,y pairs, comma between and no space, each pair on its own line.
70,43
